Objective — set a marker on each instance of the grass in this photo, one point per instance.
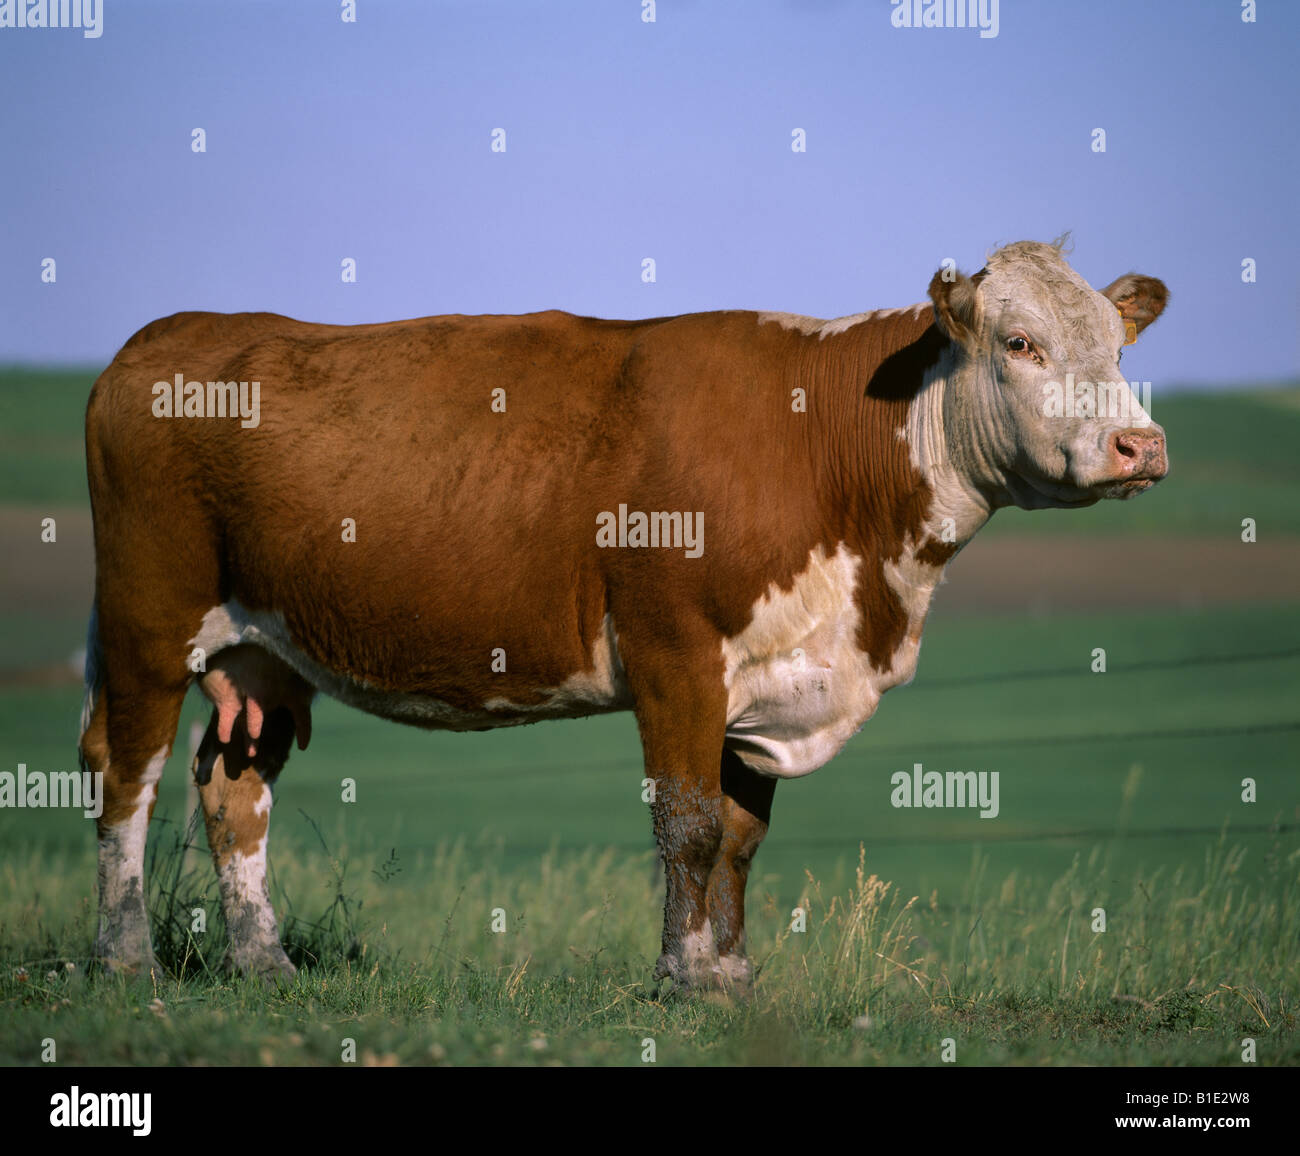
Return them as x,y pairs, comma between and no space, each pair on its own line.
402,960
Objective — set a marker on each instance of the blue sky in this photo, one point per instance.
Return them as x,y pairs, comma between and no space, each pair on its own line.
626,140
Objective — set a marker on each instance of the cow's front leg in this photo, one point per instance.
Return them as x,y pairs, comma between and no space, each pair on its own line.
746,811
236,796
688,830
682,728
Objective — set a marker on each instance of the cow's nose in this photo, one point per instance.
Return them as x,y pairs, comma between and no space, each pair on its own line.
1140,453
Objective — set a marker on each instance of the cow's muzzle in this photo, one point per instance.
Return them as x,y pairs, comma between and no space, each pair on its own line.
1137,460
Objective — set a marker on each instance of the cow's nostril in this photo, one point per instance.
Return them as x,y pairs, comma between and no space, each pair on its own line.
1139,453
1129,445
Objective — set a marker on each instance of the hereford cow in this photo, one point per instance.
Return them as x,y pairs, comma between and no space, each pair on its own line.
729,523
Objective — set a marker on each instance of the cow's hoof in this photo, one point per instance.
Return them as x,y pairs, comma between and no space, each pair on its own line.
735,976
126,949
133,966
728,977
267,963
671,981
727,982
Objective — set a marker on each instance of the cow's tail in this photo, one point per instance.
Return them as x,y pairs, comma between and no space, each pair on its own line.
94,676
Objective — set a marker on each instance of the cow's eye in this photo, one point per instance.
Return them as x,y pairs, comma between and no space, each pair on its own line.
1018,345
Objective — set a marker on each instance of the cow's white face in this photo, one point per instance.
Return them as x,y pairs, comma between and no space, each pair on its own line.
1038,407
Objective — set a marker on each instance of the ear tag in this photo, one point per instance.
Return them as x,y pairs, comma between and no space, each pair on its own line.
1130,329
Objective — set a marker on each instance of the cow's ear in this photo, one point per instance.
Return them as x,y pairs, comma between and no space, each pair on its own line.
1140,300
956,306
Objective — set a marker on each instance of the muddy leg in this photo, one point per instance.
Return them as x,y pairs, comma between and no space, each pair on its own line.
746,810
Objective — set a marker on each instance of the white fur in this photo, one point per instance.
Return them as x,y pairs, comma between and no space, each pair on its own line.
789,713
828,328
263,804
121,847
94,669
698,949
242,880
1044,459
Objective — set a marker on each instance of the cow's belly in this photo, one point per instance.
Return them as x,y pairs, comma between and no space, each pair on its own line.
600,689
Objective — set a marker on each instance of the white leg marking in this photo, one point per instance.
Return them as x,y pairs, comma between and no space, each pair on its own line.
123,921
698,952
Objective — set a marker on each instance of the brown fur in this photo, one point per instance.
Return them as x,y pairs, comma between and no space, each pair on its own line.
229,814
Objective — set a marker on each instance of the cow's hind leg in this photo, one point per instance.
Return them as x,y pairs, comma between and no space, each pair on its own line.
235,791
746,811
129,723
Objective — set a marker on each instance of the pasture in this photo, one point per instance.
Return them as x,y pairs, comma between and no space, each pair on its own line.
1119,790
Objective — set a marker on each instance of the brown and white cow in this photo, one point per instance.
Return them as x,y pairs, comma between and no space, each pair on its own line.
806,482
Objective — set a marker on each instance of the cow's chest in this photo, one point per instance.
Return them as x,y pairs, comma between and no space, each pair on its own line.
798,684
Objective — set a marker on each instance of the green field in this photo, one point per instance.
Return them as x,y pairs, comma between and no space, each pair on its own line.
1120,791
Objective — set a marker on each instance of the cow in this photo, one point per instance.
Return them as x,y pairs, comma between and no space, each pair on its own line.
730,523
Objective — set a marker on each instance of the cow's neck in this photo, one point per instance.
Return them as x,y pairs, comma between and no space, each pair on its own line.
894,471
945,440
898,444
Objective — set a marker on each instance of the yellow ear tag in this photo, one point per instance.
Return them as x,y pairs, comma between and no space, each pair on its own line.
1130,330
